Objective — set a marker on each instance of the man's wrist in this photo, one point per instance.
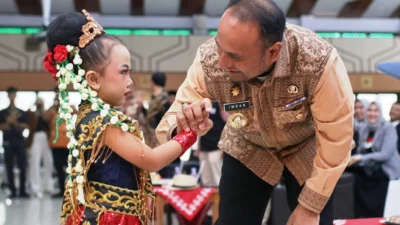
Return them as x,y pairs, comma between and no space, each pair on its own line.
306,210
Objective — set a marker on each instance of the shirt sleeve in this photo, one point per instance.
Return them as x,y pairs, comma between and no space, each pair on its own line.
332,106
23,118
2,117
193,89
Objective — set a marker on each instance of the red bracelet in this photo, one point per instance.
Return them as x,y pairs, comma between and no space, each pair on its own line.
186,140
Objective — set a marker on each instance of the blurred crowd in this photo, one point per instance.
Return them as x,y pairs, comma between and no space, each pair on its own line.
39,161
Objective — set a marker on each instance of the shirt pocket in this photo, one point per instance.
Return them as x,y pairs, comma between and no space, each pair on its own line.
291,113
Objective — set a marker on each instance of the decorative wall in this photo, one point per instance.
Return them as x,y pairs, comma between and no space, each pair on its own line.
176,53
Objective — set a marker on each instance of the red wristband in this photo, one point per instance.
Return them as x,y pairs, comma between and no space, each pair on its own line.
185,139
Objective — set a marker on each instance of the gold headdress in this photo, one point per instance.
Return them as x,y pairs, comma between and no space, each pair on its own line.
90,30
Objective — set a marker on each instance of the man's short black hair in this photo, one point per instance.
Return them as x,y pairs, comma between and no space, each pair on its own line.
266,13
11,89
171,92
159,78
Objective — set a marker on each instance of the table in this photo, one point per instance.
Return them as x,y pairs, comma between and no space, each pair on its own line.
372,221
160,203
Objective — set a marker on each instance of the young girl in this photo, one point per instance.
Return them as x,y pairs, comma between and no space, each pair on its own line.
108,180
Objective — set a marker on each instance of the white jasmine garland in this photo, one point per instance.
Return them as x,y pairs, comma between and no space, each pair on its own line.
114,120
69,183
70,48
95,107
77,86
79,179
84,96
81,196
78,78
93,93
65,105
81,72
103,113
69,127
68,116
125,127
67,79
78,168
69,66
63,71
70,145
75,152
62,86
84,84
77,61
73,140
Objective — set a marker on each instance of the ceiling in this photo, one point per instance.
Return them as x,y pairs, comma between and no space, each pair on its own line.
293,8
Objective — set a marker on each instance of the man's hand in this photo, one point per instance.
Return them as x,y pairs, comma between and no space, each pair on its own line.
195,116
12,120
303,216
354,160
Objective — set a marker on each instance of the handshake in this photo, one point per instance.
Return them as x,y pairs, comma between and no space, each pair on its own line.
195,116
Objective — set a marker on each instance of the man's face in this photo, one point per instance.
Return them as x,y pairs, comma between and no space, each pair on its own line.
242,51
395,112
171,98
12,96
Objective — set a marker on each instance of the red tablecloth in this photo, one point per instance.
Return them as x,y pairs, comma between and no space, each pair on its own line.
374,221
186,202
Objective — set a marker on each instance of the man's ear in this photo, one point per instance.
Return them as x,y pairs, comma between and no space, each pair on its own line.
274,51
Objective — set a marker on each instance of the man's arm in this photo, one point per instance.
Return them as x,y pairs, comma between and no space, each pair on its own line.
193,89
3,121
22,121
332,107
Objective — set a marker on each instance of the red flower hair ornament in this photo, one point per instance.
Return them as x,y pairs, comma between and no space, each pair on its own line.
49,62
49,65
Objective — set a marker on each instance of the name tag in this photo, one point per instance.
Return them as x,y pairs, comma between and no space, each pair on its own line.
236,106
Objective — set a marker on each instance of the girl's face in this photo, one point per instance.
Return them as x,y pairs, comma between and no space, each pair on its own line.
115,82
373,113
359,111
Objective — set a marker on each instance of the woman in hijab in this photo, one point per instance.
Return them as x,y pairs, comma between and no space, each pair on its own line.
360,111
375,163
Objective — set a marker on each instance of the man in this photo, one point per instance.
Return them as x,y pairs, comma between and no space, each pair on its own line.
40,151
395,119
171,97
13,121
291,106
158,105
59,149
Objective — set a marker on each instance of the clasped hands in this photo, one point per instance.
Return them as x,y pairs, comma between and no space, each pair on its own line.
195,116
